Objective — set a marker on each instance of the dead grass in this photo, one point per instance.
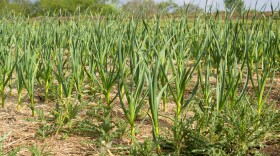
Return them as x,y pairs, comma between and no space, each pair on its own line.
23,129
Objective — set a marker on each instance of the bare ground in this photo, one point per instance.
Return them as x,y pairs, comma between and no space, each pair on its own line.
23,130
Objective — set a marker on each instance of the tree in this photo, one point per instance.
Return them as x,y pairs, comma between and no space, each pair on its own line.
140,6
167,6
3,4
234,5
70,6
67,7
22,7
190,8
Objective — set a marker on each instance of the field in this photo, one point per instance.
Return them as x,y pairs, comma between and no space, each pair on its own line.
140,86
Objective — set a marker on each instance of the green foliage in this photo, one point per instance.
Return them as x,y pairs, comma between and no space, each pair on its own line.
236,131
17,7
3,6
2,138
37,151
68,7
145,149
2,152
55,7
137,7
167,6
102,7
201,67
189,8
237,5
107,9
